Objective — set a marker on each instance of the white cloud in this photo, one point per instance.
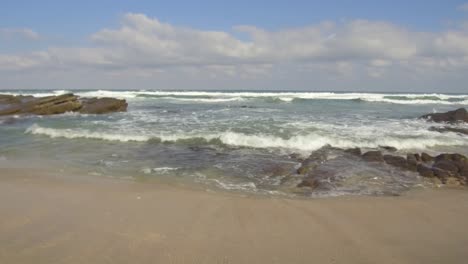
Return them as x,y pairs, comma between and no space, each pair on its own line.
25,33
149,47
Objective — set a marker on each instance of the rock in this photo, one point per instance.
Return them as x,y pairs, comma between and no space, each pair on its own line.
426,157
451,157
463,131
354,151
443,175
447,166
453,182
309,182
388,148
51,105
459,115
396,161
412,161
373,156
425,171
102,105
276,170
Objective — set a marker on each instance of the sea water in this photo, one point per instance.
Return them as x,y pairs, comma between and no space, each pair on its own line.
246,141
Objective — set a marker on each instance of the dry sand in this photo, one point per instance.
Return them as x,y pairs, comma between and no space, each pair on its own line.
45,219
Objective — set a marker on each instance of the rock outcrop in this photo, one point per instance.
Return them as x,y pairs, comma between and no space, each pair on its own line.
459,115
52,105
102,105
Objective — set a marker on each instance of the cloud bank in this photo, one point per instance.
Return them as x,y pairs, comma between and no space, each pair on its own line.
360,53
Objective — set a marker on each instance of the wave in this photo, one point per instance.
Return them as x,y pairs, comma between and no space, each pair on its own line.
309,142
273,97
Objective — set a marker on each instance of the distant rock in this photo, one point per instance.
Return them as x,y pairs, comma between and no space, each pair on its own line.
59,104
459,115
102,105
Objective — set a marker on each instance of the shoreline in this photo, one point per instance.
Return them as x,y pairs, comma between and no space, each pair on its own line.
68,219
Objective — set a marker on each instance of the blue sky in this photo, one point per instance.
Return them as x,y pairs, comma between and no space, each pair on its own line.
107,38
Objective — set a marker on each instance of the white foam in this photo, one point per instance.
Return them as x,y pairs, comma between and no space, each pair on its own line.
306,142
197,96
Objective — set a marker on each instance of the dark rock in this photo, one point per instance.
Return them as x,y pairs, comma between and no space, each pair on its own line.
426,157
447,166
396,161
102,105
425,171
443,175
451,157
388,148
373,156
354,151
276,170
459,115
463,131
309,182
412,161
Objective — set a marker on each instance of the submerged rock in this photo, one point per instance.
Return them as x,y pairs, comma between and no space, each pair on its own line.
459,115
445,129
354,151
373,156
396,161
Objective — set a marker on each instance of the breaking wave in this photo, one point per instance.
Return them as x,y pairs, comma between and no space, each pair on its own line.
308,142
219,97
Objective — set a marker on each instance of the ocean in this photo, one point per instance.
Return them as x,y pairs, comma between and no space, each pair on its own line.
242,141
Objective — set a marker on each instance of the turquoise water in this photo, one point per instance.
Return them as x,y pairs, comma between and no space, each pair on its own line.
235,140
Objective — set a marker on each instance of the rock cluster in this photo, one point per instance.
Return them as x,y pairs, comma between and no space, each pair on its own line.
448,168
59,104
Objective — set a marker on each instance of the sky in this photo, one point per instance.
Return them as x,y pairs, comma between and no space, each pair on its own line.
391,46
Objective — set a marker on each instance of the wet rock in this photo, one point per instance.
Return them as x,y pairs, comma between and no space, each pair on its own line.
354,151
445,129
426,157
373,156
443,175
102,105
453,182
412,161
388,148
425,171
396,161
276,170
450,157
447,166
459,115
309,182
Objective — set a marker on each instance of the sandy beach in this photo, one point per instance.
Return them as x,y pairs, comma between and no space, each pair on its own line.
56,219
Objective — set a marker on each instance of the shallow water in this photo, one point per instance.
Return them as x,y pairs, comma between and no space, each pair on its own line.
237,140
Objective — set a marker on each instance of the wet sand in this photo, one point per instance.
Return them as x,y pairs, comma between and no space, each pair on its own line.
50,219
